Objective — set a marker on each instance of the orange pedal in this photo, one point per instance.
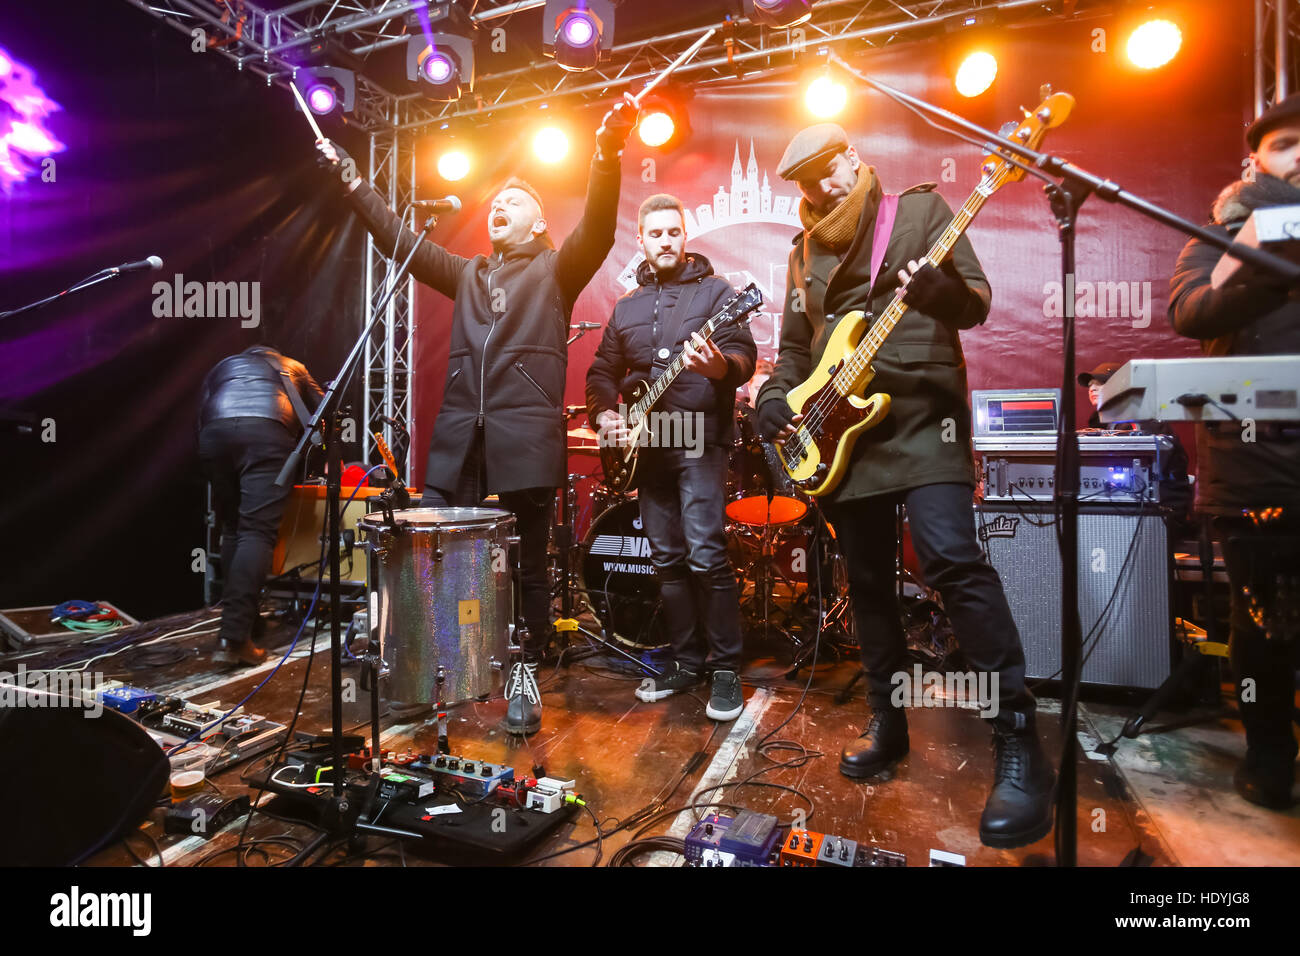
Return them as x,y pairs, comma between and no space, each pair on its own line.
801,848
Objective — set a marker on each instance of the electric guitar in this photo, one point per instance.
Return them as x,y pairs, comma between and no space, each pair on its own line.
833,399
619,461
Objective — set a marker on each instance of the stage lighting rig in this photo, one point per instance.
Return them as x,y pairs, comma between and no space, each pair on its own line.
328,87
444,69
578,33
777,13
441,60
665,122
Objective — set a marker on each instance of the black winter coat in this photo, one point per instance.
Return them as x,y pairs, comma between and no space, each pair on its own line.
506,368
627,349
1250,317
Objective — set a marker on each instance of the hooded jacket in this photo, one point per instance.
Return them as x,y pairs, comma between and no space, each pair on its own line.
1248,315
508,357
926,437
627,349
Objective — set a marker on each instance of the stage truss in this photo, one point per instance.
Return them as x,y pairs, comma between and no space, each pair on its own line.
269,42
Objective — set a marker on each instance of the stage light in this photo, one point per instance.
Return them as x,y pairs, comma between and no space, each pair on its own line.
1154,43
655,128
577,33
825,97
444,68
976,73
328,88
551,144
777,13
453,165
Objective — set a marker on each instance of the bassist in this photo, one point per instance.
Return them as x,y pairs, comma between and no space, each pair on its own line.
682,466
920,455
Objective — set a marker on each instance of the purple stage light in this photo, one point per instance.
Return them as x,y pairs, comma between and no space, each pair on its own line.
321,98
25,137
439,68
578,29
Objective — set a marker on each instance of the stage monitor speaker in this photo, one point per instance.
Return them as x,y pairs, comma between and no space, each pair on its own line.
75,780
1125,576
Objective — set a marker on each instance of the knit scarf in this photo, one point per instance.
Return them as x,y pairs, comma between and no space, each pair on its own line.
836,229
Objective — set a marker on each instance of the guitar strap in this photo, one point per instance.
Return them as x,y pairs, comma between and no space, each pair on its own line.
886,213
672,325
295,397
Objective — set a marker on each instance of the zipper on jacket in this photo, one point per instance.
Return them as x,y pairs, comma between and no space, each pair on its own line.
482,370
536,385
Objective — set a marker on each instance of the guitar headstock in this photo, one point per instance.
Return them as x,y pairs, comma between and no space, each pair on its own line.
740,305
1050,113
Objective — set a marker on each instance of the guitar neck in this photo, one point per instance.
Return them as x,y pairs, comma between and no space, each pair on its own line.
675,368
875,337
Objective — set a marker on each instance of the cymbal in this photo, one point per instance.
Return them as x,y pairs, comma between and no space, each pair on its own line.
584,433
583,450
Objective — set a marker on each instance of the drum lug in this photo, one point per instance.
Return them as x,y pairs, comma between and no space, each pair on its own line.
495,664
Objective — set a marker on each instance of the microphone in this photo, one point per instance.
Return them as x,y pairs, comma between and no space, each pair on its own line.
438,207
153,262
586,326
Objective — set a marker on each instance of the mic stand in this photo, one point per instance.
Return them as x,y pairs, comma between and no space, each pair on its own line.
326,417
1065,197
103,275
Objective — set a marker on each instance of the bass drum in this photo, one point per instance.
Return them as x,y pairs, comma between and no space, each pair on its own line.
619,578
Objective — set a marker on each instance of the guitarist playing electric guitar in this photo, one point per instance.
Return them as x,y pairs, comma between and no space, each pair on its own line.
918,454
681,469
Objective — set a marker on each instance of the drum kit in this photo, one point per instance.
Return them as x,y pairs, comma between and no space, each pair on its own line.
793,581
443,582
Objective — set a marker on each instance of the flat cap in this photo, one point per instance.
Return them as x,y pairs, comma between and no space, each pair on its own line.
1279,114
816,143
1101,374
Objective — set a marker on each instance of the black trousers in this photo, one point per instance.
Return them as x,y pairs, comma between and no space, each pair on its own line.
682,500
534,510
242,457
942,521
1267,703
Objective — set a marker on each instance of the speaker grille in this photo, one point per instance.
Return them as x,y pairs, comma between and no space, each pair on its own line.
1132,647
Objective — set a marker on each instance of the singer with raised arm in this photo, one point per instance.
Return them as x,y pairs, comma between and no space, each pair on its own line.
500,429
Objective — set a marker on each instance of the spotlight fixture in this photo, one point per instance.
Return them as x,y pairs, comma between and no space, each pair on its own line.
825,96
578,33
328,87
1154,43
664,123
551,144
444,69
453,165
777,13
976,73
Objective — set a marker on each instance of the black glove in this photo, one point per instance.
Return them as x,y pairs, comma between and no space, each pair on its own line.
936,293
773,415
616,127
346,167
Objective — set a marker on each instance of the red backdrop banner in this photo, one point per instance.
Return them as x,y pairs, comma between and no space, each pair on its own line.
1173,136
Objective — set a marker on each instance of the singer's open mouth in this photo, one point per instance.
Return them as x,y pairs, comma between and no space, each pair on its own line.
500,219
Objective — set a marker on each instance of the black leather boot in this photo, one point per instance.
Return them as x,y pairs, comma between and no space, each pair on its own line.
881,745
1266,777
1019,810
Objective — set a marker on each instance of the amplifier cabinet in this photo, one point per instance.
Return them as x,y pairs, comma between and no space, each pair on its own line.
1133,645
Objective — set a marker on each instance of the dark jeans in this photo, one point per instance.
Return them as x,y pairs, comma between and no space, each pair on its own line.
942,521
682,501
1255,560
242,457
534,510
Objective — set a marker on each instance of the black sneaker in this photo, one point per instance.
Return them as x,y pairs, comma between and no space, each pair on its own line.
725,699
523,700
245,653
673,680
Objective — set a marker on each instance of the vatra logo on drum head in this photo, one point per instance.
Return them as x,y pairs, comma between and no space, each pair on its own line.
1003,526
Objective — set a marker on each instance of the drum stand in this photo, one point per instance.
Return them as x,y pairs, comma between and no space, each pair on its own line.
567,623
763,571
